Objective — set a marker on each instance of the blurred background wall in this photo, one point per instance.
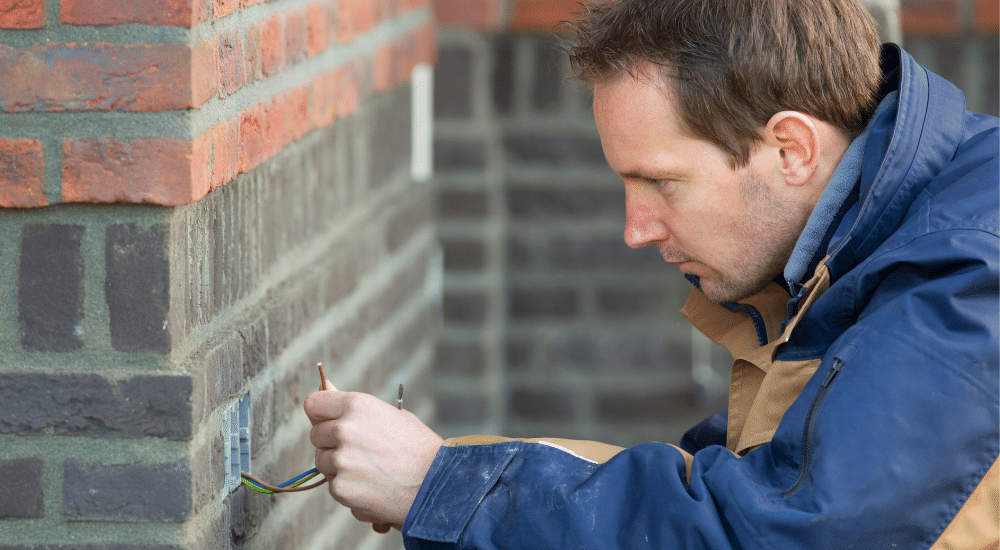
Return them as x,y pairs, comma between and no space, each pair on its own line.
552,326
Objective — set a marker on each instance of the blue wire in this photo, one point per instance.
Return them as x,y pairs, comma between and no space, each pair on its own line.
298,477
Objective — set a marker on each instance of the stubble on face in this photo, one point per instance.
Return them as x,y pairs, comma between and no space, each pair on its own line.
767,234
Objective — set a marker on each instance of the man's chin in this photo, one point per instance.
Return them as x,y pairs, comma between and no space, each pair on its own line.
722,294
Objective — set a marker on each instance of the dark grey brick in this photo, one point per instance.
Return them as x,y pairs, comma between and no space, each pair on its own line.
137,288
50,288
503,74
463,254
557,150
542,404
519,253
390,135
21,493
539,303
465,307
341,275
617,352
464,358
460,409
126,493
548,86
411,217
638,406
462,204
538,202
518,353
254,336
224,371
91,405
453,83
601,252
459,154
625,302
278,333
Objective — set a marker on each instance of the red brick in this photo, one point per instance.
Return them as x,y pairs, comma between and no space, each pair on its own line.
204,72
427,43
201,166
987,14
22,14
318,28
99,77
254,70
383,67
929,17
542,15
202,10
323,102
355,17
225,7
295,36
407,5
231,62
22,173
275,126
251,138
154,170
393,63
272,44
225,152
119,12
474,14
297,100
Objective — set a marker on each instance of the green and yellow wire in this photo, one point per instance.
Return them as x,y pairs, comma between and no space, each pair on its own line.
291,486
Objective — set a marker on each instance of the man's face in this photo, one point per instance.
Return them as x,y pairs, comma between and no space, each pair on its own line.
735,229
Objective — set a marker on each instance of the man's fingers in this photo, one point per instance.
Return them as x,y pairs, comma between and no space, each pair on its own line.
377,526
326,405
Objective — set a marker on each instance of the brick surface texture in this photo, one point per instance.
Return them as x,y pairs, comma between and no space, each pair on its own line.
22,496
23,14
125,493
50,281
199,201
22,173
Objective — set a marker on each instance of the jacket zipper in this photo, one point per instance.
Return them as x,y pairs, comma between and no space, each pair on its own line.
811,419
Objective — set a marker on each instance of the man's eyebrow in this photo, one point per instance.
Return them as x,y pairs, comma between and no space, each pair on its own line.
638,174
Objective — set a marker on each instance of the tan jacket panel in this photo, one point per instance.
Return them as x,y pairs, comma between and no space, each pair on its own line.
977,524
760,388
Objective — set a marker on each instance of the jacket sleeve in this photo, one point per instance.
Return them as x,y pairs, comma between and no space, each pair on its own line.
882,449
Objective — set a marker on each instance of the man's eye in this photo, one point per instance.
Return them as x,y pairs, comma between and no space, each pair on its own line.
663,184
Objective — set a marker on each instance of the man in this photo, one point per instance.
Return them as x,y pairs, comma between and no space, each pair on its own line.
836,209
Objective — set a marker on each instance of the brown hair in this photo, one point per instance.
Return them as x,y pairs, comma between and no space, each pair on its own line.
735,63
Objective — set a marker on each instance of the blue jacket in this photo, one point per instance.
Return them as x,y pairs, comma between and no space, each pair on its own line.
891,437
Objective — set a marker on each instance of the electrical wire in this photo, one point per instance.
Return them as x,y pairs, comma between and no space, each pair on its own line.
295,484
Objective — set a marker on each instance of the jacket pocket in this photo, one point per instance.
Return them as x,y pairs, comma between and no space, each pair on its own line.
810,424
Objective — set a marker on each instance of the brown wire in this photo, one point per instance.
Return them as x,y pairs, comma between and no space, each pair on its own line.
276,489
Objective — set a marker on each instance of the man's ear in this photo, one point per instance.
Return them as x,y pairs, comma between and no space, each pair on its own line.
797,139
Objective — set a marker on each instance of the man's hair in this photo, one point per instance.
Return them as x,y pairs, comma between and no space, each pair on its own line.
735,63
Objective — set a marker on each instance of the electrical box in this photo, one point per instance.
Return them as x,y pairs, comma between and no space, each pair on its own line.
236,442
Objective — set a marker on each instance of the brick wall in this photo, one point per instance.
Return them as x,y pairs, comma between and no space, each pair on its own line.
552,326
202,200
957,39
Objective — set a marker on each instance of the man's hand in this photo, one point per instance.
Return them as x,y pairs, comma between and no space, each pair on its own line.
375,455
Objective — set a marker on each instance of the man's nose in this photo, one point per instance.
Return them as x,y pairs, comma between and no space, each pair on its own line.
643,225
